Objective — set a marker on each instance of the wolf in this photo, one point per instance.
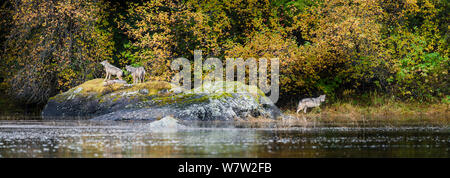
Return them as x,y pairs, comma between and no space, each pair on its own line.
137,73
111,70
306,103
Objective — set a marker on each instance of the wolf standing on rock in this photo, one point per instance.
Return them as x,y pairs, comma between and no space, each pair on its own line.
138,74
306,103
111,70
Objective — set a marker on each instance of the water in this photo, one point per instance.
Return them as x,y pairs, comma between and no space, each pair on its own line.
36,138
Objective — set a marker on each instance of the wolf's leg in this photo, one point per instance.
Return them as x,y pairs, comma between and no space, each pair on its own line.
136,76
299,107
305,109
143,77
106,76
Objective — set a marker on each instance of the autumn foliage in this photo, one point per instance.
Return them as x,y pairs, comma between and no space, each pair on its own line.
52,46
337,47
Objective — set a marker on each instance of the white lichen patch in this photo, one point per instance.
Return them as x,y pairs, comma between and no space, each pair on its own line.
78,90
74,93
131,93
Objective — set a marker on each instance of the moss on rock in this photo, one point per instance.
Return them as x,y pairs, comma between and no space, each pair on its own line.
153,99
97,86
94,98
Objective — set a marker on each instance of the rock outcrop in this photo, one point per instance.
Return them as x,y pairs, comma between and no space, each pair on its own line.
94,98
212,101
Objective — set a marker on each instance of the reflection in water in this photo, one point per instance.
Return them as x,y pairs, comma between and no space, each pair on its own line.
131,139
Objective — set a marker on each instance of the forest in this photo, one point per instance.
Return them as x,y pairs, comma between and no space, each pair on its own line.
346,49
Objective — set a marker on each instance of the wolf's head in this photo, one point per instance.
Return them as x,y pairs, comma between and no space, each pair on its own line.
104,62
322,98
130,68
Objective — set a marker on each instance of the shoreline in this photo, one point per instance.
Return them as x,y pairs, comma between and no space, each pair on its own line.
383,110
397,109
392,112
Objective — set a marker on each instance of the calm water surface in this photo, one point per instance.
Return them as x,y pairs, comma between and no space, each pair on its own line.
19,138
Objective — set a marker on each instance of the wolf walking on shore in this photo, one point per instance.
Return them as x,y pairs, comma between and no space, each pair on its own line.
306,103
138,74
111,70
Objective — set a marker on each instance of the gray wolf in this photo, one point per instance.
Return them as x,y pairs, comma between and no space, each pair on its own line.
111,70
138,73
306,103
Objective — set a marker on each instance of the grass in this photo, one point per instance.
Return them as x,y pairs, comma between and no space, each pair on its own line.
375,107
371,111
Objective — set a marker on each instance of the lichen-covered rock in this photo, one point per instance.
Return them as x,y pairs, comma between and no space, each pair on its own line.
154,100
210,102
93,98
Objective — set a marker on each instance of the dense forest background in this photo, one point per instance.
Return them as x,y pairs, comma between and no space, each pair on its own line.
343,48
